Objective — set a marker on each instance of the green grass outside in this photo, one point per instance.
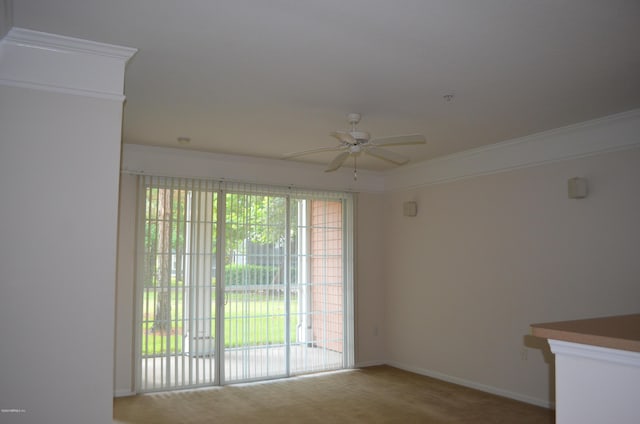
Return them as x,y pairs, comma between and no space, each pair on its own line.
253,319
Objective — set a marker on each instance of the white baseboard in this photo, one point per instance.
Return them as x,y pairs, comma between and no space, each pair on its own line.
364,364
123,393
473,385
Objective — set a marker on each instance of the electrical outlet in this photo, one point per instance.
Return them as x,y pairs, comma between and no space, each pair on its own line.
524,353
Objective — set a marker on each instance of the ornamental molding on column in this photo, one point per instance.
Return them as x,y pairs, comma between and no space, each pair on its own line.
597,353
51,62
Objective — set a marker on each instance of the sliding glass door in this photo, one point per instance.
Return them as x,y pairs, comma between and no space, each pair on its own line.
320,272
256,289
240,283
176,285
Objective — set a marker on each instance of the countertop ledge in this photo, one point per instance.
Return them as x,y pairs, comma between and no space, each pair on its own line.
616,332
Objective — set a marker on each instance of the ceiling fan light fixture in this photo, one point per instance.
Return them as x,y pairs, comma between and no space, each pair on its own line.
355,142
355,149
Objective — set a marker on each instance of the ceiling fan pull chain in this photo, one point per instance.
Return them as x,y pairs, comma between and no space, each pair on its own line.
355,168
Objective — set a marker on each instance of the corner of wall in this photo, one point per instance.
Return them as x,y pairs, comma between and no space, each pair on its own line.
6,17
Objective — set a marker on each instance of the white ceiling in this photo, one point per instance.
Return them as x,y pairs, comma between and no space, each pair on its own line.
264,78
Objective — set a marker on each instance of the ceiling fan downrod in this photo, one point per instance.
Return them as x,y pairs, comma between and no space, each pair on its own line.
353,119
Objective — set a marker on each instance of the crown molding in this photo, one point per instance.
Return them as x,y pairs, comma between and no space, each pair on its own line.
615,132
61,43
63,90
176,162
57,63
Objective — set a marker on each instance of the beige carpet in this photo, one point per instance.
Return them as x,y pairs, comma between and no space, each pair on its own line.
370,395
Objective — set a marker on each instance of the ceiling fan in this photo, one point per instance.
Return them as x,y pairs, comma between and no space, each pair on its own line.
355,142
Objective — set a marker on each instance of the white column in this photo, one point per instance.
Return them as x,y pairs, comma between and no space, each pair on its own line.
60,129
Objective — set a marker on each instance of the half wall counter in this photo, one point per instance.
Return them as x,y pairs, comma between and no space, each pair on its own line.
597,368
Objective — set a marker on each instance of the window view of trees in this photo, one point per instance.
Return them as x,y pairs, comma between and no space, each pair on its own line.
255,234
270,318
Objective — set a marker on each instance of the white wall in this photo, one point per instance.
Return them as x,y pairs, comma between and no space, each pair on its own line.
487,256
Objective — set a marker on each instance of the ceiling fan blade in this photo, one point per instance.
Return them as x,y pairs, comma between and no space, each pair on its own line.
387,155
398,140
308,152
337,162
344,137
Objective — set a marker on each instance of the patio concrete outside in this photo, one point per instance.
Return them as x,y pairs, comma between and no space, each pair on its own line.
249,364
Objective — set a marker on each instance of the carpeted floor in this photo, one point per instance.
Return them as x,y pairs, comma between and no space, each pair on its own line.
370,395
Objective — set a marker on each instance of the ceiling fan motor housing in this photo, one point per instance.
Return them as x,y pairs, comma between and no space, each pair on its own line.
360,136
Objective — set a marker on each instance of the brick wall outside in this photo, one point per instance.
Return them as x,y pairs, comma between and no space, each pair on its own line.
326,274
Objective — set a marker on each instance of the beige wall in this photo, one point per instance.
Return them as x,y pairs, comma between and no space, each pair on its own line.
370,245
125,287
452,291
487,256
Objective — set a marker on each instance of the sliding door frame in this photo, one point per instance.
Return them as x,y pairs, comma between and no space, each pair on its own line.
220,191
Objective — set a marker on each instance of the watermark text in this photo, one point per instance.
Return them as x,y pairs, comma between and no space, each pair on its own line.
12,411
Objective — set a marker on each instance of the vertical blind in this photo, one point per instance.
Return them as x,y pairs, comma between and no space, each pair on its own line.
241,282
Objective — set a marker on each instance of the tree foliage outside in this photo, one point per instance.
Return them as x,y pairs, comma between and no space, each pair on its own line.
238,275
260,219
165,213
249,219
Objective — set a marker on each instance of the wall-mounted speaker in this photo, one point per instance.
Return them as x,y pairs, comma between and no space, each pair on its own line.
577,188
410,209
